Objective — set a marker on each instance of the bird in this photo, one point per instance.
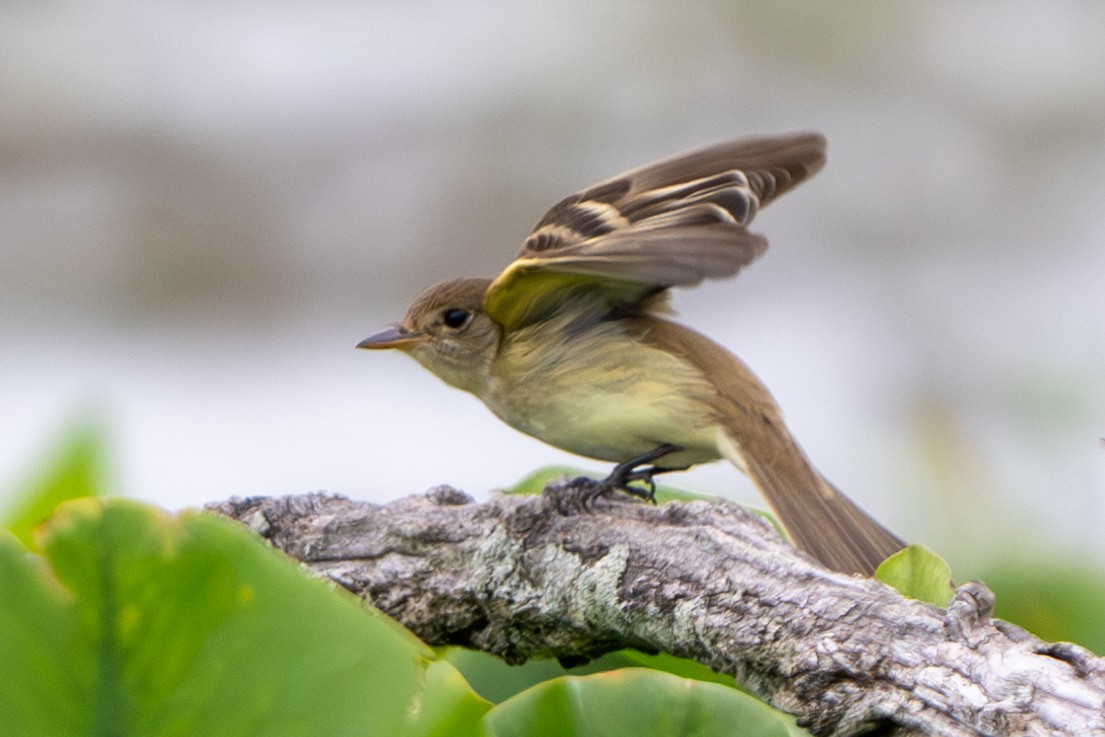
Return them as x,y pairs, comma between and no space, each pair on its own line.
574,343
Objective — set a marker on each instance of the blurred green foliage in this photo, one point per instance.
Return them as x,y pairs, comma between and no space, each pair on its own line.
74,467
497,681
1055,599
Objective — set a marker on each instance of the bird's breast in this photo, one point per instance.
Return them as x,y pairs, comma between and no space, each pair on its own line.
601,393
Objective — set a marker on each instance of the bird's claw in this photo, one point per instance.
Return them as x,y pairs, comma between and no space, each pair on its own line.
579,494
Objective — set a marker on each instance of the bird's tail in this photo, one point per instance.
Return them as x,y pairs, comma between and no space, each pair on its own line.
819,518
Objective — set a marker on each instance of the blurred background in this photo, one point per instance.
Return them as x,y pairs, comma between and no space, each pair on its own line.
205,206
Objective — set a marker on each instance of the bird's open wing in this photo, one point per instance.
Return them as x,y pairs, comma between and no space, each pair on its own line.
671,223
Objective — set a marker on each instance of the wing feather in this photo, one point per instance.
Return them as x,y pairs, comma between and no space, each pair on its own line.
671,223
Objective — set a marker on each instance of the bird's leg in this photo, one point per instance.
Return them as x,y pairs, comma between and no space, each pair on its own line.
624,474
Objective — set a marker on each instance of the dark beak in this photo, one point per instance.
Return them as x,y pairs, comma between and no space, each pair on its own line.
393,337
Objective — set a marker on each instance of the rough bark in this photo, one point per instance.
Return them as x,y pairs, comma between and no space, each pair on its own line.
709,581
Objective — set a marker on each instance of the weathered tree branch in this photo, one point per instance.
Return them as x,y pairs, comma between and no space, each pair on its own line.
712,582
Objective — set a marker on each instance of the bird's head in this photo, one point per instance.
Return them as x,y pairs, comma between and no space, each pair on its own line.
447,332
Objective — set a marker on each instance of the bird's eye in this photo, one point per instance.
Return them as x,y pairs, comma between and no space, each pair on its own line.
456,318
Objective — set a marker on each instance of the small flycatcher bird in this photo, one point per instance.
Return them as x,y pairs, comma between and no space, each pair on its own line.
572,344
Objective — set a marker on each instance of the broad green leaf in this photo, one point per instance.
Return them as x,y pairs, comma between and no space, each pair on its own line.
917,572
636,701
447,706
133,622
73,468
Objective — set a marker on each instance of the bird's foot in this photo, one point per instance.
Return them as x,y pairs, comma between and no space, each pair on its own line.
624,474
579,494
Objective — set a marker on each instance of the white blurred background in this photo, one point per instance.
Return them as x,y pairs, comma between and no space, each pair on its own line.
204,206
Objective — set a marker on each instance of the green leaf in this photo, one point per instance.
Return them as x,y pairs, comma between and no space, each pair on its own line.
73,469
917,572
636,701
137,623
